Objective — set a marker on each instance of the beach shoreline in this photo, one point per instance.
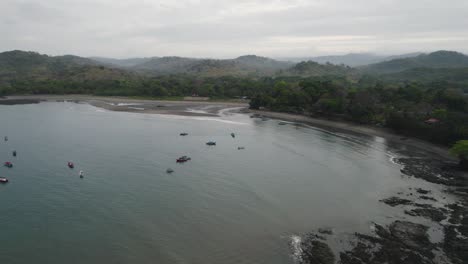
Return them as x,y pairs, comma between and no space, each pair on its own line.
350,127
204,108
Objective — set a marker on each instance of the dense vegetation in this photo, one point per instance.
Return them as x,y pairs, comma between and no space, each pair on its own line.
404,108
401,100
460,149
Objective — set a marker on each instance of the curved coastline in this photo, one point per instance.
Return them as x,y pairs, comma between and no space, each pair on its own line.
213,108
436,166
350,127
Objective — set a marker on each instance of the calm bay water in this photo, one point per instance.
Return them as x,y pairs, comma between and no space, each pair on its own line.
224,206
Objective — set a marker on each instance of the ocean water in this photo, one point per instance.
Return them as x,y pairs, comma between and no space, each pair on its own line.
224,206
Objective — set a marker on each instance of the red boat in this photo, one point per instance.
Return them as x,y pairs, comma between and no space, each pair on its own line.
8,164
3,180
71,165
183,159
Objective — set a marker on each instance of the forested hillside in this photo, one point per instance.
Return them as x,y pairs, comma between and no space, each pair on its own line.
413,90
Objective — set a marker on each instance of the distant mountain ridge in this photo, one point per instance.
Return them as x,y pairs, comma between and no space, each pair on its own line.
438,59
123,63
353,59
20,65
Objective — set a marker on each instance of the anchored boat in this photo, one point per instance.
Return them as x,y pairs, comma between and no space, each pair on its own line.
8,164
183,159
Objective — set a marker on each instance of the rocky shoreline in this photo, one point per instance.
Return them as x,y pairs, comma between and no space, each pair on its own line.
404,241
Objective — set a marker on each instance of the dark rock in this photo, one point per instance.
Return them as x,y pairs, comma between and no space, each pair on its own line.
455,240
434,214
326,231
394,201
317,252
424,197
411,234
463,164
433,170
402,242
422,191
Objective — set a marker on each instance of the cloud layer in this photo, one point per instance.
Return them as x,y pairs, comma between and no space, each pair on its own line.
228,28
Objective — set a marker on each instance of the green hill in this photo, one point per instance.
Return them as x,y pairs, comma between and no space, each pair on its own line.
242,66
438,59
31,65
312,68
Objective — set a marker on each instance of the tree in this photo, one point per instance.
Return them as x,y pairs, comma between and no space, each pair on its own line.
460,149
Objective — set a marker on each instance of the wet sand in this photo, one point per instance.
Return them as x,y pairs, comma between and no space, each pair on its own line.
185,108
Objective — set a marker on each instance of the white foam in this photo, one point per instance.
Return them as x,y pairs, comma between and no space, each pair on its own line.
126,104
296,248
215,119
190,110
136,108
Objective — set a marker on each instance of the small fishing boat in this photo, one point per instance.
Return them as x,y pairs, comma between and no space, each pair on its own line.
71,165
239,148
3,180
81,174
211,143
6,138
169,170
14,153
183,159
233,135
8,164
184,134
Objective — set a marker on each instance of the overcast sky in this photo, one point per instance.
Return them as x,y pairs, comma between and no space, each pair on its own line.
229,28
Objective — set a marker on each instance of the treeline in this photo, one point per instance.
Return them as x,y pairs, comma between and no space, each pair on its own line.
161,86
403,106
433,112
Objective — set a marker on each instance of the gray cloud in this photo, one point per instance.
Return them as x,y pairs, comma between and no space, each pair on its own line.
228,28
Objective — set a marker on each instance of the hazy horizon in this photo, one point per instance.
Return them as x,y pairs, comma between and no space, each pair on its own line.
228,29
